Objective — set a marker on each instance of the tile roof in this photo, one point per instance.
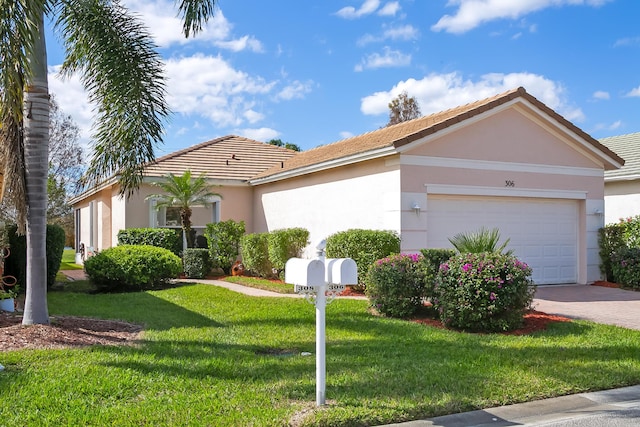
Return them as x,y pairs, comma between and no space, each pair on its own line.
628,147
226,158
404,133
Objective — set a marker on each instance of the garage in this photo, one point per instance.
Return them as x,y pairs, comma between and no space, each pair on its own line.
542,232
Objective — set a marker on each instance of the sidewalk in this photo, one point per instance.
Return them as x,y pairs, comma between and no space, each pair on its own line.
618,407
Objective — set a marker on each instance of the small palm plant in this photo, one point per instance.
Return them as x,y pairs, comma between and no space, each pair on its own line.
483,240
184,192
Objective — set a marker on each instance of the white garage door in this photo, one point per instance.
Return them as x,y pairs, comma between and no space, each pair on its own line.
543,232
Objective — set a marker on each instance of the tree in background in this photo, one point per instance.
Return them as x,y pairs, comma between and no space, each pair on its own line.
65,172
183,192
403,108
123,75
288,145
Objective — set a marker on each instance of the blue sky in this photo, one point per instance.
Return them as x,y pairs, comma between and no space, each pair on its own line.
314,72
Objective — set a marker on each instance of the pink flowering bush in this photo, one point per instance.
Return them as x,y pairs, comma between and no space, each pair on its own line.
395,285
626,267
483,292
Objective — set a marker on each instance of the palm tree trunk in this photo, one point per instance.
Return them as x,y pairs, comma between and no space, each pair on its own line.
36,146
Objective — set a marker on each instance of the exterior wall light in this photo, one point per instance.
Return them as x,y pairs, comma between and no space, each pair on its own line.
416,208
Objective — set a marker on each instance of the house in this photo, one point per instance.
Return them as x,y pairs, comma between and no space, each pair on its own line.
508,161
228,162
622,186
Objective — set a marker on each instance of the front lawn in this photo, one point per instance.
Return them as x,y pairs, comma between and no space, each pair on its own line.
214,357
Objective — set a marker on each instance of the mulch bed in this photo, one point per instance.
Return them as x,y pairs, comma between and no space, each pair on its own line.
606,284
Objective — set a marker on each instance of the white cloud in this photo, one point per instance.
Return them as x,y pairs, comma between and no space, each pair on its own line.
73,101
608,126
261,134
166,27
367,8
253,116
439,92
346,134
389,58
389,9
295,90
634,92
208,86
602,95
472,13
402,33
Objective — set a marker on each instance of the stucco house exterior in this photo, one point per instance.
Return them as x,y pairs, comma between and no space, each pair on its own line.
507,161
622,186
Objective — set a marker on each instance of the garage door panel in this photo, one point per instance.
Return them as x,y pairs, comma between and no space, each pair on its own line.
542,232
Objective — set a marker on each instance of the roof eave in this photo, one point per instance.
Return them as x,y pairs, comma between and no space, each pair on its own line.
326,165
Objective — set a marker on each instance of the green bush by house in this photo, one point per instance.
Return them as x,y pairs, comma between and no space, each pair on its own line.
395,285
625,265
196,263
166,238
486,292
132,268
285,244
615,240
223,239
255,254
363,246
16,264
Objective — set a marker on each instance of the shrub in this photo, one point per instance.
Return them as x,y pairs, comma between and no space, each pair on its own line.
284,244
166,238
484,292
611,239
132,267
625,264
255,254
196,262
363,246
224,243
431,260
476,242
395,285
16,264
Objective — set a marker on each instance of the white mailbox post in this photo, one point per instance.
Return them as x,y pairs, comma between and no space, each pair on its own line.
320,281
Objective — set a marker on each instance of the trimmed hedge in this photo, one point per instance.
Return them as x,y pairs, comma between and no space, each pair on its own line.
16,264
132,268
223,239
166,238
485,292
363,246
255,254
284,244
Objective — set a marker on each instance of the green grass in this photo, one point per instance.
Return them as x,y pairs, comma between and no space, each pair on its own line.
209,357
267,285
69,260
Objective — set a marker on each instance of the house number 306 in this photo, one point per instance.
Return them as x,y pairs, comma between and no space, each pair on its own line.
509,183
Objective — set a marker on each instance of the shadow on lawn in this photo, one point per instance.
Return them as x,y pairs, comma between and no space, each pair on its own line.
142,308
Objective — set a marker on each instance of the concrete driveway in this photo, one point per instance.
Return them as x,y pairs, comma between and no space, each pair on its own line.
596,303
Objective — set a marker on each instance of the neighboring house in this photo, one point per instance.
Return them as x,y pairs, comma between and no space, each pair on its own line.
507,161
622,186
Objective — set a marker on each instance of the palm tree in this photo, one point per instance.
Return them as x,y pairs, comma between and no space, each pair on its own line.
184,192
121,71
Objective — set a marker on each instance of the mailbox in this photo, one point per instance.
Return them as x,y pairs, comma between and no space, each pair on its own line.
341,271
304,272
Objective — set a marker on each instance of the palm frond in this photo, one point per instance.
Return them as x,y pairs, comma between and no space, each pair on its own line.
123,74
194,14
